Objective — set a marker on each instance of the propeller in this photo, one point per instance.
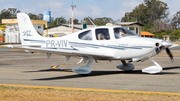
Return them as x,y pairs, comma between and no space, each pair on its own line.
170,54
165,45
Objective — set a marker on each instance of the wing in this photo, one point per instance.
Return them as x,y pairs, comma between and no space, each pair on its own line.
61,51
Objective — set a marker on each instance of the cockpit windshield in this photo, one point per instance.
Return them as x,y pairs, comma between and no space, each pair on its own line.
122,32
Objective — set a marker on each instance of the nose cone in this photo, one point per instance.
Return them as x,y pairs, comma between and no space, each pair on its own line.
166,44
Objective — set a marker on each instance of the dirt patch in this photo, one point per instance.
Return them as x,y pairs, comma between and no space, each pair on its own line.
41,94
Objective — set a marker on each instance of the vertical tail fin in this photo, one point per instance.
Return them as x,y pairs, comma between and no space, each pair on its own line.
26,29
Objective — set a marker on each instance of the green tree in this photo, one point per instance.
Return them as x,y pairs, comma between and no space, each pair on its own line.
176,35
40,16
139,13
5,14
60,20
76,21
33,16
129,17
52,22
13,12
36,17
102,21
157,9
176,20
9,13
147,13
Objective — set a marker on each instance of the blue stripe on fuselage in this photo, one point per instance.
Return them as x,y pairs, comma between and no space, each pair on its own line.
77,44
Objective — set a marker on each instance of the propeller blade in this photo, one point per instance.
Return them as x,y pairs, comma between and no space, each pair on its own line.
170,54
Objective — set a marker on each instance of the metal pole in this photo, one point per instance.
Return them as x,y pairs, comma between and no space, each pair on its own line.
72,16
72,20
47,30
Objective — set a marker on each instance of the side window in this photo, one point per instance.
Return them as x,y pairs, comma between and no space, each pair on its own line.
87,35
122,32
102,34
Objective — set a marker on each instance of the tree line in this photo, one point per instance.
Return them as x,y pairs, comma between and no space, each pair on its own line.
154,14
10,13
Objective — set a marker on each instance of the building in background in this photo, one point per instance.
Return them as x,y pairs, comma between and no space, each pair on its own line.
12,34
146,34
166,38
64,29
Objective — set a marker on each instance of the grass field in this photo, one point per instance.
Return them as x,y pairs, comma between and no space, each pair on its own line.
42,94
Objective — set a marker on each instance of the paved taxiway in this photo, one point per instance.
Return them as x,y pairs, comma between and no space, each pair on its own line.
35,69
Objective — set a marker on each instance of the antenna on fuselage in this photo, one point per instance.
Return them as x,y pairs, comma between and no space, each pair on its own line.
91,22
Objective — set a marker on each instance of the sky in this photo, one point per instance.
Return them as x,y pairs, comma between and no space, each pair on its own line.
114,9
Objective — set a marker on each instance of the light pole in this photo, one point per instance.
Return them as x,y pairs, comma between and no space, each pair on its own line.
72,16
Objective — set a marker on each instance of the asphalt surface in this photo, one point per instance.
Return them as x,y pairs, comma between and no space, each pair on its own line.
35,69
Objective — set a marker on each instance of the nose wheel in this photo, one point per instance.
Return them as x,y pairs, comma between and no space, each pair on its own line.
153,69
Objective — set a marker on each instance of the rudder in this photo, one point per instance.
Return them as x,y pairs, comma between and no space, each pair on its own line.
26,28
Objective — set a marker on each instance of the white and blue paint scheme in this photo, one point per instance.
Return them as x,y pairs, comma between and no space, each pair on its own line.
97,43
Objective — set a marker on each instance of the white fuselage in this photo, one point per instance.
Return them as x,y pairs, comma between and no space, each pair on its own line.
123,48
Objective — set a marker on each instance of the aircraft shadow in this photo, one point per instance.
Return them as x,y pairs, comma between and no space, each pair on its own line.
100,73
93,73
50,70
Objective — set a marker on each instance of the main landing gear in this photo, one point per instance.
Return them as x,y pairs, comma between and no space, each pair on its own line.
84,69
126,66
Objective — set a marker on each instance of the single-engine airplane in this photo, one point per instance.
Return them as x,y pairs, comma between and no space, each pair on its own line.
97,43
